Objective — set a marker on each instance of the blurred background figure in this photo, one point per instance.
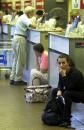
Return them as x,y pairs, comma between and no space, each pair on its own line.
1,17
75,19
19,13
80,27
6,16
73,23
37,17
14,16
51,23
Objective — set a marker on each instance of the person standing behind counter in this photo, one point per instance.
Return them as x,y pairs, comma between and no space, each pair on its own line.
19,46
39,17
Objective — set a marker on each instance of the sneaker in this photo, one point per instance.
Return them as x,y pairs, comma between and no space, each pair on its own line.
12,82
20,83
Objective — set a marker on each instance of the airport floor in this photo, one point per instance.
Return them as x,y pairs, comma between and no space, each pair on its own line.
16,114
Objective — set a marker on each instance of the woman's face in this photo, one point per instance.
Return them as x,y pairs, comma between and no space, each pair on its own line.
37,53
63,64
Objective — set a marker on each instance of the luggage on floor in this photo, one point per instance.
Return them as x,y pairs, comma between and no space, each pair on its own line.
54,111
37,93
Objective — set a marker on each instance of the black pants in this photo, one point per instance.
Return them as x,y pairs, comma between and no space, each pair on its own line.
70,96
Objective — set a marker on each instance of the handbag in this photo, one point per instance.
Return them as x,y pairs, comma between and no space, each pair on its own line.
36,94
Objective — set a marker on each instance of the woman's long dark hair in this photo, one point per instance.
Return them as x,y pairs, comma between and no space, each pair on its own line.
69,60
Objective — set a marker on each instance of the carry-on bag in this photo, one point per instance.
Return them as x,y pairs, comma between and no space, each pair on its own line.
36,94
54,111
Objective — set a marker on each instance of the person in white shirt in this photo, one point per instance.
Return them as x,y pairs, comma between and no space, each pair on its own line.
19,46
51,23
38,17
6,16
80,28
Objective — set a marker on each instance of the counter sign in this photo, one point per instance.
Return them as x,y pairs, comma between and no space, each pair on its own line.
79,45
82,4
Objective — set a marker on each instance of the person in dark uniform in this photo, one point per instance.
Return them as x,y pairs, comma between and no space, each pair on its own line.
71,86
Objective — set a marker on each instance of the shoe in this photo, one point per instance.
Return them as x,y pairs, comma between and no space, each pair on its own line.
20,83
65,124
12,82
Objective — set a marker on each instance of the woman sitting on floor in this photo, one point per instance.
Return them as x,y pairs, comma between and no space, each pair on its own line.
39,76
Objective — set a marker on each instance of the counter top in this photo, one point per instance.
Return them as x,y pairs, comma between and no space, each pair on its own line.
12,24
53,32
32,29
41,30
60,34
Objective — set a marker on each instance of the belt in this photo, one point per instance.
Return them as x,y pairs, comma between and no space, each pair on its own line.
21,35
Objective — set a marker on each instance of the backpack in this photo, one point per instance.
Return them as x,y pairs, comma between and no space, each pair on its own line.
54,111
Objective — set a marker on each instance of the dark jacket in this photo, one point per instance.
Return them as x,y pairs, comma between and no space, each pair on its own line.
74,81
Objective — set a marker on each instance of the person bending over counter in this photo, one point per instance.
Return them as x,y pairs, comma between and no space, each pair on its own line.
71,86
39,76
39,17
41,20
19,46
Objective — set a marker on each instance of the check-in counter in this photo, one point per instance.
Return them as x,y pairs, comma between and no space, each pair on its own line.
5,28
73,46
8,29
0,29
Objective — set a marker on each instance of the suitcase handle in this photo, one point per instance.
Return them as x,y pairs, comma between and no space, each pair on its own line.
35,87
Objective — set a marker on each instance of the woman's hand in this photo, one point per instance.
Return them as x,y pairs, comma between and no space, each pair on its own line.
59,93
62,72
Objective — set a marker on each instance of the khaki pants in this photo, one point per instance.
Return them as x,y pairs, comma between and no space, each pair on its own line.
19,61
38,78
